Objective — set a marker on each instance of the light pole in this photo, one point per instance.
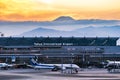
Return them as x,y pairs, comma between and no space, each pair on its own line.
71,54
71,61
83,57
62,64
114,62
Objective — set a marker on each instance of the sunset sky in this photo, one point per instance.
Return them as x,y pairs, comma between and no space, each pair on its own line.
47,10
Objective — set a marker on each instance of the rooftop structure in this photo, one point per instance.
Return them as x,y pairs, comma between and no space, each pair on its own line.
58,41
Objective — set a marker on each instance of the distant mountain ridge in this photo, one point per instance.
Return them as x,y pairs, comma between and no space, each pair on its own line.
63,20
112,31
63,25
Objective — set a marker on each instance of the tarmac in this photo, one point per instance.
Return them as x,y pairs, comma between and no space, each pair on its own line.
31,74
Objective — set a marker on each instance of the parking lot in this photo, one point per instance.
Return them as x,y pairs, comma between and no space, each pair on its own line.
31,74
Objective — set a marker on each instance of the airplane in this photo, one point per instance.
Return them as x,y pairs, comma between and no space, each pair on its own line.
113,65
54,67
7,66
3,66
113,62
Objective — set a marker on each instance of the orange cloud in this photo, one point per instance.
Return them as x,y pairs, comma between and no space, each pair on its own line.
31,16
39,10
2,6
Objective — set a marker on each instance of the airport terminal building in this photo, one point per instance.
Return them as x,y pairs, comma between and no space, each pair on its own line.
57,49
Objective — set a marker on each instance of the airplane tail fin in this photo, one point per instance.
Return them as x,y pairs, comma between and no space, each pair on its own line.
33,62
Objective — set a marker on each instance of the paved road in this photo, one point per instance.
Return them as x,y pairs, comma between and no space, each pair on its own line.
30,74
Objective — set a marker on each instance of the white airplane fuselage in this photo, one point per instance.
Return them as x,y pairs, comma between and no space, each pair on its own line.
3,66
113,62
51,66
